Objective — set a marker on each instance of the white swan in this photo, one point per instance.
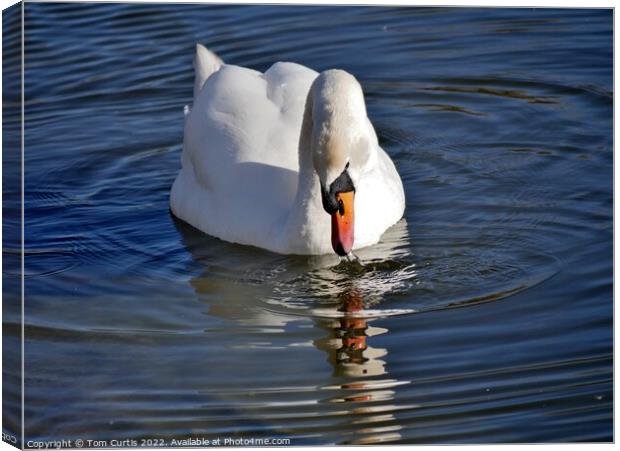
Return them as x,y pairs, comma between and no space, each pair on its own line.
268,158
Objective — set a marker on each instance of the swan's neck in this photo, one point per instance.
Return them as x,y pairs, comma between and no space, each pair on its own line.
308,224
333,138
308,187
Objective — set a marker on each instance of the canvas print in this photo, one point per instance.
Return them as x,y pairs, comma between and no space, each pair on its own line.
292,225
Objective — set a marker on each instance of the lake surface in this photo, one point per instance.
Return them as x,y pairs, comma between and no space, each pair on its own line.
484,316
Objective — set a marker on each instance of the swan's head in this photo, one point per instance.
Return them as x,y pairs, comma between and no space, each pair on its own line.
339,144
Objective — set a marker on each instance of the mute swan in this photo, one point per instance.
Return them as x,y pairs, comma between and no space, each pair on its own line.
286,160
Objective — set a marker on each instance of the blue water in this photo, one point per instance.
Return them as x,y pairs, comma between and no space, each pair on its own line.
484,316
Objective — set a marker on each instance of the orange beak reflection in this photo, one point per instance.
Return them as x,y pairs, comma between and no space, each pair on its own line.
342,224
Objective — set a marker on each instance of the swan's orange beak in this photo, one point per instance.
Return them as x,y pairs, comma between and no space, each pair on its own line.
342,224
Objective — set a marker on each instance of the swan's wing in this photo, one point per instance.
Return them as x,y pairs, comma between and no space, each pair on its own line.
243,116
240,152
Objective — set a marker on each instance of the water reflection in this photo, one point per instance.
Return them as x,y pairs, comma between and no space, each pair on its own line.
351,356
341,299
347,342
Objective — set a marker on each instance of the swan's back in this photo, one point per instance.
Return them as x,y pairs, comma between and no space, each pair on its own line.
249,116
240,152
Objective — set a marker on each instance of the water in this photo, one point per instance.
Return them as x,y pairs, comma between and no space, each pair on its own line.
485,315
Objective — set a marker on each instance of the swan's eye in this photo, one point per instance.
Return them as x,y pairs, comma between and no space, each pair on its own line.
342,184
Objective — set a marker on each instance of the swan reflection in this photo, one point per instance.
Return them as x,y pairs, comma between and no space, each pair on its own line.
348,345
347,342
264,293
